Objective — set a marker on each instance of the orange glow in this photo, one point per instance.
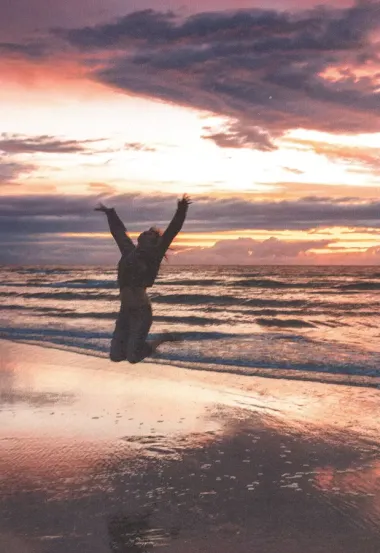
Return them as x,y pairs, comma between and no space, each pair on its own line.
343,240
57,77
343,152
335,73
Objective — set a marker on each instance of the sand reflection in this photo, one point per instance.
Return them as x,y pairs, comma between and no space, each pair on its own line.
139,457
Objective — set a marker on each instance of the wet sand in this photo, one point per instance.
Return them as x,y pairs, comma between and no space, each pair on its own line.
100,458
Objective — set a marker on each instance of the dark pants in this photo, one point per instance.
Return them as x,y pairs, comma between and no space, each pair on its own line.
129,340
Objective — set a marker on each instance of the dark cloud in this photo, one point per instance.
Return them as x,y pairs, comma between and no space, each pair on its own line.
25,16
34,228
19,144
60,214
265,30
38,214
263,69
141,25
327,200
240,135
33,50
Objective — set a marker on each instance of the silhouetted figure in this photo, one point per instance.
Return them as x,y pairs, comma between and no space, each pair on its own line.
137,271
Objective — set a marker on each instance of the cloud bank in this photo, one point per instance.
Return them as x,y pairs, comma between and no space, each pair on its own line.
64,213
267,71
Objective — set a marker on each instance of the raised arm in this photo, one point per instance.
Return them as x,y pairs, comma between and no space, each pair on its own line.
176,223
117,228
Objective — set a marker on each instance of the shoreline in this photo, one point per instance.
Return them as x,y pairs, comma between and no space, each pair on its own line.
271,373
105,459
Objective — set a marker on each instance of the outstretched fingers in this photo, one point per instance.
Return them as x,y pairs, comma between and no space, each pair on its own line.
102,207
185,200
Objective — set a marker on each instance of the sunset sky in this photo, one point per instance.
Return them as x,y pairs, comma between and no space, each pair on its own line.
266,114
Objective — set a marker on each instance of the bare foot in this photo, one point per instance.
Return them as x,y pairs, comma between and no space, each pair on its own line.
165,337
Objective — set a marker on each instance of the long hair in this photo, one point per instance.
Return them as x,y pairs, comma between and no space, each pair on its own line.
159,233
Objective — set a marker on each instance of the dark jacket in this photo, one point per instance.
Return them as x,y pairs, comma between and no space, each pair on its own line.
138,267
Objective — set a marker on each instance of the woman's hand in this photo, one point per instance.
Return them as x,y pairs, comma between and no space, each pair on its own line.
103,208
185,201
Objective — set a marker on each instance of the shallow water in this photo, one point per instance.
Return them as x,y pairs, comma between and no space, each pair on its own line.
294,322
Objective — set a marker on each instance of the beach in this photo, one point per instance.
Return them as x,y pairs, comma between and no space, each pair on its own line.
190,190
100,457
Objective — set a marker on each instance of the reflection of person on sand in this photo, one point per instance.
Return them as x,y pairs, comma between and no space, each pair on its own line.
137,270
133,533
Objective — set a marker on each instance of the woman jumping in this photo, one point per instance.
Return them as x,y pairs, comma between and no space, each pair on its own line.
137,271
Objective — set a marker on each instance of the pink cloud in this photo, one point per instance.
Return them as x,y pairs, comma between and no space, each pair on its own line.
246,251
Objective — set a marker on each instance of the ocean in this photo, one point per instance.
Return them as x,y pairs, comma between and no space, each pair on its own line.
309,323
